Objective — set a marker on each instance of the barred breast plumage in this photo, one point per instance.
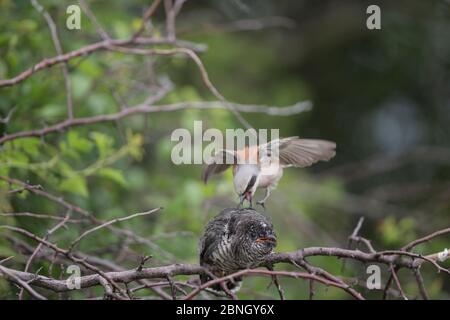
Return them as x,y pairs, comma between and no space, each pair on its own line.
235,239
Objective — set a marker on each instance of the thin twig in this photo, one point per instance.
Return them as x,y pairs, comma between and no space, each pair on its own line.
91,217
39,246
21,283
312,290
39,216
276,283
247,272
54,32
65,253
88,49
397,282
6,259
388,284
204,74
419,258
429,237
420,284
170,19
87,232
103,34
144,108
147,15
8,117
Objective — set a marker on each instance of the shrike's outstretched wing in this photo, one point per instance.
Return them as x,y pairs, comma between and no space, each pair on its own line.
221,161
297,152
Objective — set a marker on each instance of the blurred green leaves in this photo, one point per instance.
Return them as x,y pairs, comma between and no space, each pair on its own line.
67,165
114,174
74,184
78,143
397,231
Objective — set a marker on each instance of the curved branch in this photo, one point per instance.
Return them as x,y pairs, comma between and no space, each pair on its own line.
189,269
146,108
429,237
250,272
88,49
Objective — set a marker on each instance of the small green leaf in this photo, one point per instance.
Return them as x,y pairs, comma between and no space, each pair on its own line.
99,103
23,194
16,157
65,169
113,174
29,145
75,184
80,85
104,143
121,29
135,142
6,251
90,68
67,151
78,143
52,111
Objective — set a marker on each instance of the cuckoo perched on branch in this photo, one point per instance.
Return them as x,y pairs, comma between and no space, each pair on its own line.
234,240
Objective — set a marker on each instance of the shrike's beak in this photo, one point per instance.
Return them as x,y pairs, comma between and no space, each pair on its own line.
241,200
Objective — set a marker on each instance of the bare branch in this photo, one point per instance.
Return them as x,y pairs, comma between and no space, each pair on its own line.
69,206
147,15
14,278
429,237
59,51
77,240
103,34
397,282
170,19
205,77
86,50
6,259
6,119
144,108
296,258
39,246
419,259
65,253
39,216
420,284
264,272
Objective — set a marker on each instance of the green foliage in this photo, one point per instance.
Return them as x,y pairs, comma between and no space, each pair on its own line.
396,232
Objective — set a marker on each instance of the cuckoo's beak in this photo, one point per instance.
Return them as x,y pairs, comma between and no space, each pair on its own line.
270,239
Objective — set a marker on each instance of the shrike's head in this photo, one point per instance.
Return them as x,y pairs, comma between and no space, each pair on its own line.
246,180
